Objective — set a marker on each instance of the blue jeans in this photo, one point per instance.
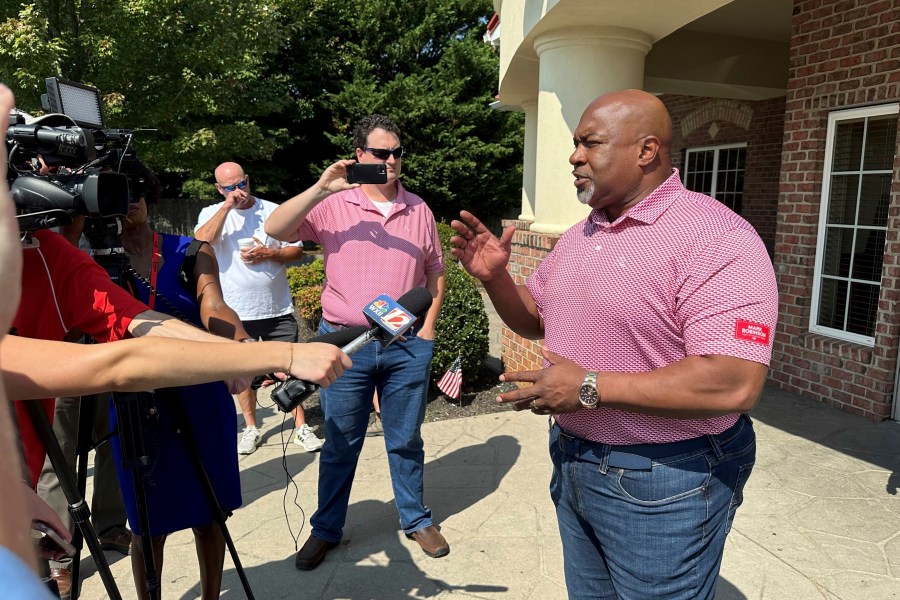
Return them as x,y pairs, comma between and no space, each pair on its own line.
647,531
400,373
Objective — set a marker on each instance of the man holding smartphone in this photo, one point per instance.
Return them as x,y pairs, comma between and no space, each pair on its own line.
378,239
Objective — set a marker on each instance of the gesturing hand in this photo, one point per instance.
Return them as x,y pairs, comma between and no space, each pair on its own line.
555,388
480,252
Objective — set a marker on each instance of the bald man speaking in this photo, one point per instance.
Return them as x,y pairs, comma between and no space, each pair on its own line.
657,313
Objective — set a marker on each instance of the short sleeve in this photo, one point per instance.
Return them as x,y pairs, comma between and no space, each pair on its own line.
537,282
204,216
728,302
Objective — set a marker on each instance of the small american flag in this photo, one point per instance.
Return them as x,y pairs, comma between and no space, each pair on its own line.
451,382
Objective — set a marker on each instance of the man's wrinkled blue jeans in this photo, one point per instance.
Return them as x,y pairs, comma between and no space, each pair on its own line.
657,531
400,373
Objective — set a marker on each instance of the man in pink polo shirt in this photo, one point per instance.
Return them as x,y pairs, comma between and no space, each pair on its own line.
377,239
657,313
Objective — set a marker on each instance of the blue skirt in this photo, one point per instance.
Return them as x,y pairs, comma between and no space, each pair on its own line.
175,498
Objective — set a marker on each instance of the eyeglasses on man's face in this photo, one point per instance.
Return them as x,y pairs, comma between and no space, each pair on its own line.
236,186
384,153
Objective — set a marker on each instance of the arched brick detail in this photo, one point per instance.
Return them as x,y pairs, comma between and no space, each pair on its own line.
730,111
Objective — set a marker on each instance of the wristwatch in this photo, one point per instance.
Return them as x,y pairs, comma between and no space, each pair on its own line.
587,393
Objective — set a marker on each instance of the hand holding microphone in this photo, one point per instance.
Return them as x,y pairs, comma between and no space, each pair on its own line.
389,320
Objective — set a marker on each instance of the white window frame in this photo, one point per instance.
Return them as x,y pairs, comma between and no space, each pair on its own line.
715,167
833,119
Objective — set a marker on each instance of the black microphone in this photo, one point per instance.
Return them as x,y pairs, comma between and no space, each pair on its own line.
288,394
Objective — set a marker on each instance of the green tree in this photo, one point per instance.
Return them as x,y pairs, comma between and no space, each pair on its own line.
196,71
278,85
423,63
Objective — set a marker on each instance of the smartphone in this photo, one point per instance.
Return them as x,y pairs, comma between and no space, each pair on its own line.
50,545
367,173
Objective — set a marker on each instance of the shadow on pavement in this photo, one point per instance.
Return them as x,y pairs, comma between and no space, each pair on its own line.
374,561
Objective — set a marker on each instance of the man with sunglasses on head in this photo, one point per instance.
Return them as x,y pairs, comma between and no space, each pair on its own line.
254,282
377,238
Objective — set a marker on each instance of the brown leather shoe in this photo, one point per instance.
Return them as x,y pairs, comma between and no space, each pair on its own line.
313,553
431,540
63,579
117,539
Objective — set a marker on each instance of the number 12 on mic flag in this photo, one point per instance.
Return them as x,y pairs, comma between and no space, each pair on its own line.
451,382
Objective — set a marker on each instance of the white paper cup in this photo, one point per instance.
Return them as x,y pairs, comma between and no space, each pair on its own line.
246,243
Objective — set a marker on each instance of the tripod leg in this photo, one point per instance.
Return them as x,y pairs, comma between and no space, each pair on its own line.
77,506
131,439
183,426
87,409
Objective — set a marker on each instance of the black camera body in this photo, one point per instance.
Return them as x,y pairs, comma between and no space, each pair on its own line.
65,163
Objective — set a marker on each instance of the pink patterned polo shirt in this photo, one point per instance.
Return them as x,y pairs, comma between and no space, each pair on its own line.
366,254
678,274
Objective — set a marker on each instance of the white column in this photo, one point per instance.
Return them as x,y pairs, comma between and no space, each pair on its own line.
576,66
528,160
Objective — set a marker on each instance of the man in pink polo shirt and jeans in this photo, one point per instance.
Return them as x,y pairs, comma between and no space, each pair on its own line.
378,238
657,313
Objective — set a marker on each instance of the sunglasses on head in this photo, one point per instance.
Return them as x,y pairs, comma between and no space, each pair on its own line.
236,186
384,153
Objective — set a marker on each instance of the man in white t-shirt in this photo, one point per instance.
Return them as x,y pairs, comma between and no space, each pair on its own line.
253,280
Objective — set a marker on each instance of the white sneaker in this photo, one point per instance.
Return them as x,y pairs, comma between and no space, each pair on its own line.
305,437
250,440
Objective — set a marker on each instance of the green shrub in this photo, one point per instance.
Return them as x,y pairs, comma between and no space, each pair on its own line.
444,234
462,328
306,283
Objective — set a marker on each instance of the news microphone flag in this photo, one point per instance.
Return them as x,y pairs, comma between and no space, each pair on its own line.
451,382
390,316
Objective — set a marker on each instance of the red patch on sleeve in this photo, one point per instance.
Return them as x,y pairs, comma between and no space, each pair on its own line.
751,332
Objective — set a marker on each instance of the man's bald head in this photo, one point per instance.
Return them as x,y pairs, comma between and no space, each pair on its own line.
622,150
638,114
228,172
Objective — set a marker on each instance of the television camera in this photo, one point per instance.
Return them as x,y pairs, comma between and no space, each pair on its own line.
66,163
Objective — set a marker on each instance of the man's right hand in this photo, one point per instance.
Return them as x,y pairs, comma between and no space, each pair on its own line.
480,252
236,199
334,178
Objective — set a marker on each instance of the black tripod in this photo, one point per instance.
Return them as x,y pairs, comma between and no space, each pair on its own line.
135,409
77,506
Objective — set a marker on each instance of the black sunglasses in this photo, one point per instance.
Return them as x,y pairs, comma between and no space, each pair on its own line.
236,186
384,153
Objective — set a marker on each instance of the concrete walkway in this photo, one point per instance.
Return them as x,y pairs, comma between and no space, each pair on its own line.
821,517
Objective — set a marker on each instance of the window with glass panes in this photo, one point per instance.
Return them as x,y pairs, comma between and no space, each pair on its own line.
856,194
717,171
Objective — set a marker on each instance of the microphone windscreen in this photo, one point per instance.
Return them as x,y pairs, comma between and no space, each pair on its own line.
416,301
342,337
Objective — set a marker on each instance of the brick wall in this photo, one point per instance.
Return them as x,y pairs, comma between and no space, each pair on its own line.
528,250
700,121
843,55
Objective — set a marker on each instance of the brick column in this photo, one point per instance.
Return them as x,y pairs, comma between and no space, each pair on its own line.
528,250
